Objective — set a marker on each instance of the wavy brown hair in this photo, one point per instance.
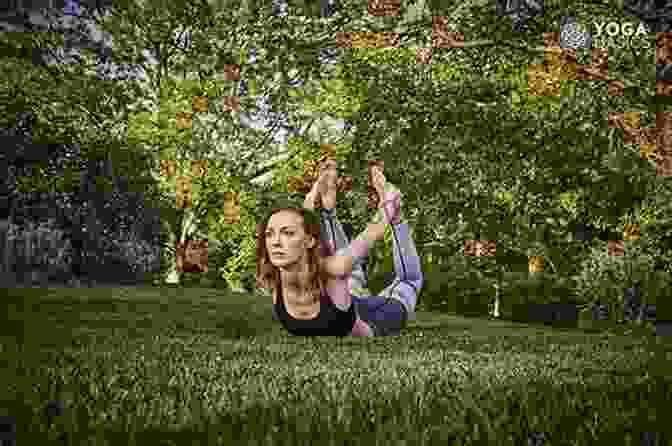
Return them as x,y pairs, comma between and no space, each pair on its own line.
268,276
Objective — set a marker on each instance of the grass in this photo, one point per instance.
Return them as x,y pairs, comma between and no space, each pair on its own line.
167,366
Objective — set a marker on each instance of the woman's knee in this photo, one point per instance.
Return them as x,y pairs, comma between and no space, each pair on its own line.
419,281
415,283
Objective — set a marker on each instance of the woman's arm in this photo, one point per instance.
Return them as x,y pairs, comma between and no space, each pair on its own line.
341,265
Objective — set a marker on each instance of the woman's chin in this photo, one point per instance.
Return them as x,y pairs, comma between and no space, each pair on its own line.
280,264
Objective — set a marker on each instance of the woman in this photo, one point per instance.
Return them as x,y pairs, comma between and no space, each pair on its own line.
313,291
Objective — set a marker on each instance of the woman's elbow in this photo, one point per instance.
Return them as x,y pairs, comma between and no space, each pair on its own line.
347,265
339,266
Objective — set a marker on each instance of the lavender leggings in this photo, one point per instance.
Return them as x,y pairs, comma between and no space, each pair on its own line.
388,312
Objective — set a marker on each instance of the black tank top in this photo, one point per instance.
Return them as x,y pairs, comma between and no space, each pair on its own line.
330,321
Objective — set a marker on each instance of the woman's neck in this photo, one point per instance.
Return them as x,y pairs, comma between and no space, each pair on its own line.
295,281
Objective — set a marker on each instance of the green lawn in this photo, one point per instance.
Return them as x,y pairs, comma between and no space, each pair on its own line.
171,366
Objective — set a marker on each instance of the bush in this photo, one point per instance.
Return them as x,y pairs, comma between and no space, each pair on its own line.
120,258
456,290
131,257
236,269
52,251
457,286
603,278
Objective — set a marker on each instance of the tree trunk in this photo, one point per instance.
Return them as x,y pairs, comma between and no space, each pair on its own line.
495,311
187,228
5,245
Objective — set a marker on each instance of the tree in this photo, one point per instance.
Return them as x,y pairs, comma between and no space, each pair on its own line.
427,133
124,21
71,138
430,133
450,138
156,128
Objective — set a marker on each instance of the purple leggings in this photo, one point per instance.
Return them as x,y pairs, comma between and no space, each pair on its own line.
388,312
384,316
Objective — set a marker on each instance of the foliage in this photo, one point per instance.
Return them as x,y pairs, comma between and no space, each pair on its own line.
339,96
126,247
242,262
522,99
221,140
545,164
442,71
151,127
602,278
546,168
117,213
51,250
159,130
39,193
75,130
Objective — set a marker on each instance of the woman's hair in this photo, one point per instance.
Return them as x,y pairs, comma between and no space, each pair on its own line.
268,276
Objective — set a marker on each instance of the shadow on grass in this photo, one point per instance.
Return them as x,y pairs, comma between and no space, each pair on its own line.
150,310
137,310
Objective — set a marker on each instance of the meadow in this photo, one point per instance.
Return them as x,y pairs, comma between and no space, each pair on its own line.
182,366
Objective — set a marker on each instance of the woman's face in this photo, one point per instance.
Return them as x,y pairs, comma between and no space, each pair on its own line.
287,242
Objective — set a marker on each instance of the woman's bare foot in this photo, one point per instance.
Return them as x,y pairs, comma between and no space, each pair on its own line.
389,207
379,184
325,187
328,181
311,197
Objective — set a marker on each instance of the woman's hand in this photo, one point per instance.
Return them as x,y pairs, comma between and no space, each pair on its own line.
311,197
340,265
324,187
374,232
328,181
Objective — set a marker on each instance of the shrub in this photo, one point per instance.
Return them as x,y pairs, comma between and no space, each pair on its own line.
453,287
127,255
603,278
51,250
237,267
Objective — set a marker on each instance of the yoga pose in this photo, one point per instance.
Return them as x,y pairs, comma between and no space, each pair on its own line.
315,275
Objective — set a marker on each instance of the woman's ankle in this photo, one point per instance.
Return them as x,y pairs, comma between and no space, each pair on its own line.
329,199
328,213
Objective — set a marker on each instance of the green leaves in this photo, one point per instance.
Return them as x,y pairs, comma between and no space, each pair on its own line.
647,215
471,162
447,72
521,99
568,201
504,200
383,56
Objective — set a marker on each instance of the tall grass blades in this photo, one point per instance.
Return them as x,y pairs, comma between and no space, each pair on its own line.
158,366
